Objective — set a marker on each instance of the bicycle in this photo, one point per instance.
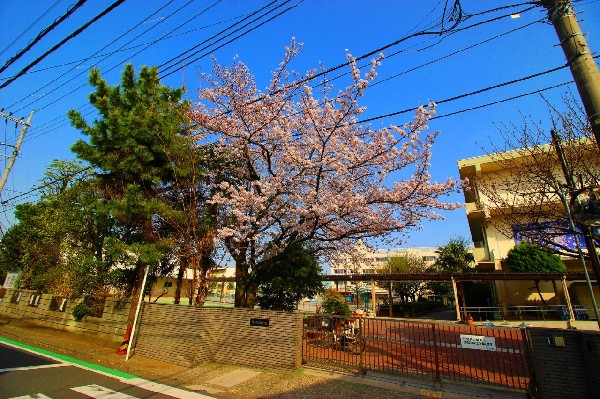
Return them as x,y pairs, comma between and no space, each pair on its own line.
342,334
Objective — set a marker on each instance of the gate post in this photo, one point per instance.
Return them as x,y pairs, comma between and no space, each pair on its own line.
568,301
437,380
456,303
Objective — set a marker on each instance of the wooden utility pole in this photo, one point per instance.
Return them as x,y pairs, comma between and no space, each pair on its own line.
579,58
17,146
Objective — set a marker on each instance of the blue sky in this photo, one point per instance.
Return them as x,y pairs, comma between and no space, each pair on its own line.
491,48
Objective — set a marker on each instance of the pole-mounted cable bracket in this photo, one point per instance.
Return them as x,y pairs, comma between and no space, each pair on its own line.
577,55
572,35
560,11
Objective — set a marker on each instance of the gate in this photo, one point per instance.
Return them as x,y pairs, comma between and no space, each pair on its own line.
437,352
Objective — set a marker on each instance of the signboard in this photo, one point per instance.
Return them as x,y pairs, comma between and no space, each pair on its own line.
478,342
10,280
259,322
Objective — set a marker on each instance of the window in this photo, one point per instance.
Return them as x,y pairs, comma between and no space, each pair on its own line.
339,271
429,258
368,271
168,284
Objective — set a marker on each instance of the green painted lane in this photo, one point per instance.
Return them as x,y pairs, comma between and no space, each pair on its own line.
65,358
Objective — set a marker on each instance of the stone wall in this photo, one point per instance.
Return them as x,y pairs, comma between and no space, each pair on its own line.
188,335
56,312
566,363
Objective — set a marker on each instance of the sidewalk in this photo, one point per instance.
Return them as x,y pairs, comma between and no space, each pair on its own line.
230,381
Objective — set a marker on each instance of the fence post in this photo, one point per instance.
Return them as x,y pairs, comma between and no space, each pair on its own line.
437,379
361,338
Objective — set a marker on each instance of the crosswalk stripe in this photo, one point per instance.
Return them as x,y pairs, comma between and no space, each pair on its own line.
98,392
166,389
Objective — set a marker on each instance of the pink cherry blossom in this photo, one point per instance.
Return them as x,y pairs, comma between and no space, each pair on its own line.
307,171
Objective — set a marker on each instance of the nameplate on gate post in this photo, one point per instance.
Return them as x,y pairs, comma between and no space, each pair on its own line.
259,322
480,342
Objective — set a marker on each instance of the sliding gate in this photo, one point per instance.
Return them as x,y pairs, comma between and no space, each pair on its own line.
437,352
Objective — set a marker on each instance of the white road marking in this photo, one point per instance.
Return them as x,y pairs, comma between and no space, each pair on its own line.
98,392
165,389
139,382
44,366
36,396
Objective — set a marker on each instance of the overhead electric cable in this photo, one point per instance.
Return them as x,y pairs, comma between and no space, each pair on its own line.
455,53
86,59
38,188
185,53
510,82
503,100
152,42
31,25
116,65
55,47
40,35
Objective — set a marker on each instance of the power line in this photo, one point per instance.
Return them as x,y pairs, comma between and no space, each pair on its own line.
38,188
110,69
107,56
510,82
40,35
55,47
502,101
236,37
132,47
29,27
213,36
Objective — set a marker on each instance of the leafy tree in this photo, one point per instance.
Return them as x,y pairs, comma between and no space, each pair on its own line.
133,146
335,303
33,246
306,171
454,257
62,243
525,257
408,263
291,276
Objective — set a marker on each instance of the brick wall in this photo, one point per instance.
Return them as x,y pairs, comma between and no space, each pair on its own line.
566,362
111,325
187,335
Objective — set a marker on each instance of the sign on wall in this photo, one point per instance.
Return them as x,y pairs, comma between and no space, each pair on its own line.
480,342
259,322
10,280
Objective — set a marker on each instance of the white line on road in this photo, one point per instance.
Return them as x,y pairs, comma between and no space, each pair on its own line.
166,390
45,366
98,392
36,396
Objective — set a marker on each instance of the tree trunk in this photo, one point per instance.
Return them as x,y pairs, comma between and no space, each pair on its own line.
537,287
179,283
245,288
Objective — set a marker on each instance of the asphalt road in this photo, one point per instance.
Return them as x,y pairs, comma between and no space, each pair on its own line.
26,374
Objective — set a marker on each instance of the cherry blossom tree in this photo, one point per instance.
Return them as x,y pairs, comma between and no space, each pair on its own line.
303,169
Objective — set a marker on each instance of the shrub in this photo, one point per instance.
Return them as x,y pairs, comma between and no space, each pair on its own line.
334,303
81,310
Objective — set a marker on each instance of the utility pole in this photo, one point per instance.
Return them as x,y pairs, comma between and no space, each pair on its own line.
17,146
579,58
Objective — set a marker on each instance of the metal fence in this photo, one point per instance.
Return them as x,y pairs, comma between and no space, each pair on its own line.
529,312
432,351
